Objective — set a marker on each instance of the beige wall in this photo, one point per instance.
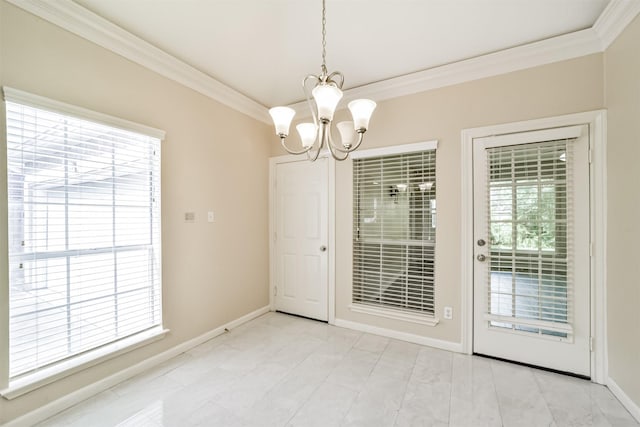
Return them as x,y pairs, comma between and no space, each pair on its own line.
216,159
213,158
622,91
561,88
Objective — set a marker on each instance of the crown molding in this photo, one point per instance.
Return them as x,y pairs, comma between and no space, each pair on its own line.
78,20
614,19
84,23
560,48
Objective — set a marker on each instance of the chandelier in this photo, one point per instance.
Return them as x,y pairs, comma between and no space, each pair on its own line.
326,92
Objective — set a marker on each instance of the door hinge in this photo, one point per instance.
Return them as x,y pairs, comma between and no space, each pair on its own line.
590,249
591,344
590,156
275,291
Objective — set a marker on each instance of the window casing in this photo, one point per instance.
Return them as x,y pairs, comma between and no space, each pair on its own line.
84,233
395,231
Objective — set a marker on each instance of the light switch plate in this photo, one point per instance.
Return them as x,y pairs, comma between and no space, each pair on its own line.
210,216
189,217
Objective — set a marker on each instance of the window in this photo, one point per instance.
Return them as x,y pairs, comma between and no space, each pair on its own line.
84,231
395,230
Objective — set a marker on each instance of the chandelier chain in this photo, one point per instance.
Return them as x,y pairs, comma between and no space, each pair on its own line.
324,38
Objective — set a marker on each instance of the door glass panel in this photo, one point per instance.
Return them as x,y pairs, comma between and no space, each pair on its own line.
529,226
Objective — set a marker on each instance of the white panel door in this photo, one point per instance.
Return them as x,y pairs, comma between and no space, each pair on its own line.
301,238
531,240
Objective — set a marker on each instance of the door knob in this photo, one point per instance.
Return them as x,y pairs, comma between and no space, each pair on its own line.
481,242
323,248
481,258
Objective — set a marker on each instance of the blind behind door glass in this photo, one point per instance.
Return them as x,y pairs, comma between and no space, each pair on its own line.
530,226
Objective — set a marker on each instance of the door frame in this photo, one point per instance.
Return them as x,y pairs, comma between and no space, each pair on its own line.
331,236
597,122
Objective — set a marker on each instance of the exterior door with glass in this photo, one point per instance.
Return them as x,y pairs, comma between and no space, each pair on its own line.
301,279
531,240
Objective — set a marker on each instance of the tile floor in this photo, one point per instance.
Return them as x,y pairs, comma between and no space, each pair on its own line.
281,370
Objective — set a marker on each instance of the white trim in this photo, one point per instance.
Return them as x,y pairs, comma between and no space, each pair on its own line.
331,274
598,173
81,362
37,101
568,132
626,401
541,324
466,235
395,149
614,19
404,336
555,49
90,26
42,413
597,128
331,261
394,314
78,20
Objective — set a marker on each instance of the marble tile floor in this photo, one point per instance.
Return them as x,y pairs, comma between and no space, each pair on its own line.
281,370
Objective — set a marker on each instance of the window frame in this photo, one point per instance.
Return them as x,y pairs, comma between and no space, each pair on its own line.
382,311
13,387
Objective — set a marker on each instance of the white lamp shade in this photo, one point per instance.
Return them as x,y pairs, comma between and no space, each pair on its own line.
327,98
282,117
361,110
347,133
308,133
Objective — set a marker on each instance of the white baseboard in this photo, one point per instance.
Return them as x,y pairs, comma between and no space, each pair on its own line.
404,336
626,401
59,405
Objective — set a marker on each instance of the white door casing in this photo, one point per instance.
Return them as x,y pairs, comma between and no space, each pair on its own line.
524,332
301,238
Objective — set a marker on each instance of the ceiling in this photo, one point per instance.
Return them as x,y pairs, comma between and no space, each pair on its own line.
263,48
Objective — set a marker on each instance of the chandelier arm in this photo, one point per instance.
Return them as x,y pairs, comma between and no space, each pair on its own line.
308,96
334,152
306,150
314,157
355,147
345,150
332,147
330,78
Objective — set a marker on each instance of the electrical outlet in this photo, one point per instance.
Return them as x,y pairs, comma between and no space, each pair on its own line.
448,313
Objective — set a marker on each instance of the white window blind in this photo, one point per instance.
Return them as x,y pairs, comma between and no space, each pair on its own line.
530,211
84,235
394,231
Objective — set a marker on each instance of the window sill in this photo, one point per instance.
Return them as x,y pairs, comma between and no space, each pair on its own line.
45,376
395,314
